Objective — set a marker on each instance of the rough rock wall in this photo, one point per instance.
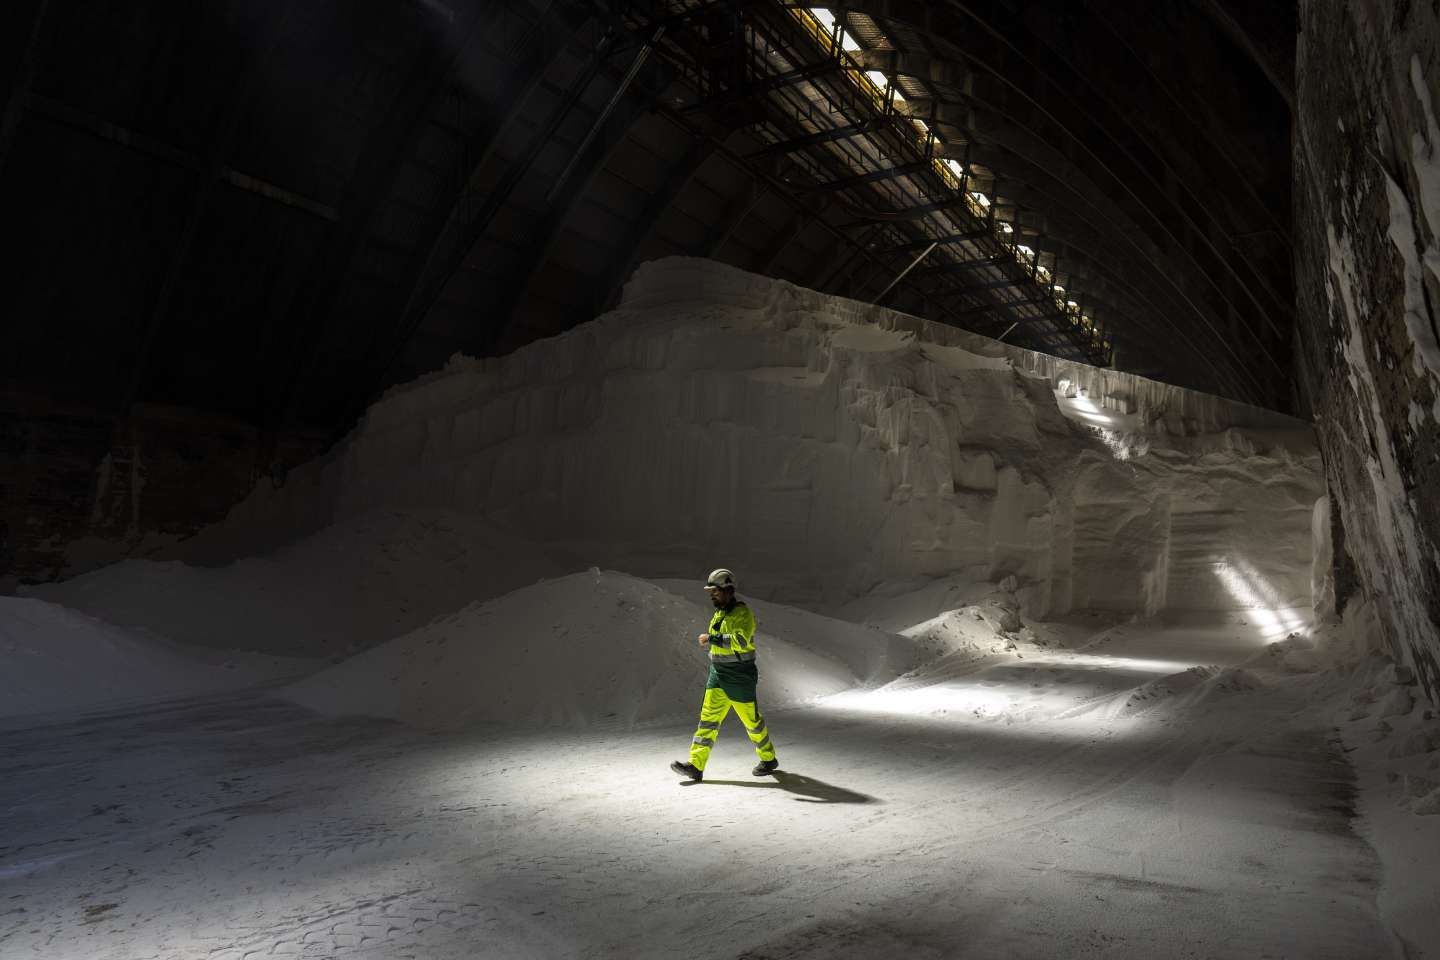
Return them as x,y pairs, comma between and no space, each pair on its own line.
1367,199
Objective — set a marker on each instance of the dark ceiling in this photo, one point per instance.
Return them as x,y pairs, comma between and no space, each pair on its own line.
271,211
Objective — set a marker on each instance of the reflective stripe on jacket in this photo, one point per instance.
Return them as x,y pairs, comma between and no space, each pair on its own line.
732,634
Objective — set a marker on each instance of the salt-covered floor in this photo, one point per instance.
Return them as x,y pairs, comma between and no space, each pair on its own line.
1028,808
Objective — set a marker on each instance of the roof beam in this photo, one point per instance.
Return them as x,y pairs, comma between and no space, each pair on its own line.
1073,215
950,238
814,139
525,264
756,88
762,22
1000,284
717,239
212,172
922,66
1075,229
466,222
998,109
799,221
917,212
159,150
1011,304
1023,52
681,173
874,176
830,266
314,310
1129,309
960,266
1001,64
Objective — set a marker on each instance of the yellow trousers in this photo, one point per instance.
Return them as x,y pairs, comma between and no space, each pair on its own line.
712,713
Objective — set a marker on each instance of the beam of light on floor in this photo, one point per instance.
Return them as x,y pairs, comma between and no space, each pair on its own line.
1260,600
1035,688
928,701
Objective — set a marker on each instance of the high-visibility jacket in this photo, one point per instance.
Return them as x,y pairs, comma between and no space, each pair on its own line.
732,634
732,653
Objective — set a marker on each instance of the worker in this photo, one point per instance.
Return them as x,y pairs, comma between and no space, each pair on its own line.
733,675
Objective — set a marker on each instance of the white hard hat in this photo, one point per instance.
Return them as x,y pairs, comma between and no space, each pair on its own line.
720,578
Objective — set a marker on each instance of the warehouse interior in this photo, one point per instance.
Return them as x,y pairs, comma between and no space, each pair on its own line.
1061,381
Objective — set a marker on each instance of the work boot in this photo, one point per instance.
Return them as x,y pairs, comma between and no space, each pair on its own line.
766,767
687,770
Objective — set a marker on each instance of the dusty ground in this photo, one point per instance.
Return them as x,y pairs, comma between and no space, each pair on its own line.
1072,804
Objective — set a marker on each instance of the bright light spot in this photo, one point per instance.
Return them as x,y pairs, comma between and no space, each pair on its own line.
1072,304
1059,289
1261,602
1085,407
1025,250
981,199
1139,664
955,167
877,78
1077,686
827,18
923,701
1006,227
920,125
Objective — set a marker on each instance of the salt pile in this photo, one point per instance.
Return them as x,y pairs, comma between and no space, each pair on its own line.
363,580
827,449
57,660
587,650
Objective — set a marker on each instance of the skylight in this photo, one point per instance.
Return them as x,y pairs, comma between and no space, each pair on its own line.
880,81
827,18
822,24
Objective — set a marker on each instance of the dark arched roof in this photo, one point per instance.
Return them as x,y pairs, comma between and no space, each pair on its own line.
271,211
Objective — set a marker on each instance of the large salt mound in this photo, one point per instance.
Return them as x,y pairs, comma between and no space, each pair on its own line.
589,649
359,582
826,450
57,660
823,448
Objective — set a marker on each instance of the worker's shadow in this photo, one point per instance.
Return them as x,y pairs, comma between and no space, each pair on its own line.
806,789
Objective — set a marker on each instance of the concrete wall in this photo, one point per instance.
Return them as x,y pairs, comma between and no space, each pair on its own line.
1367,200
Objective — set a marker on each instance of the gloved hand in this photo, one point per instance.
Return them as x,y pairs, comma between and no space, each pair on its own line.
704,639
